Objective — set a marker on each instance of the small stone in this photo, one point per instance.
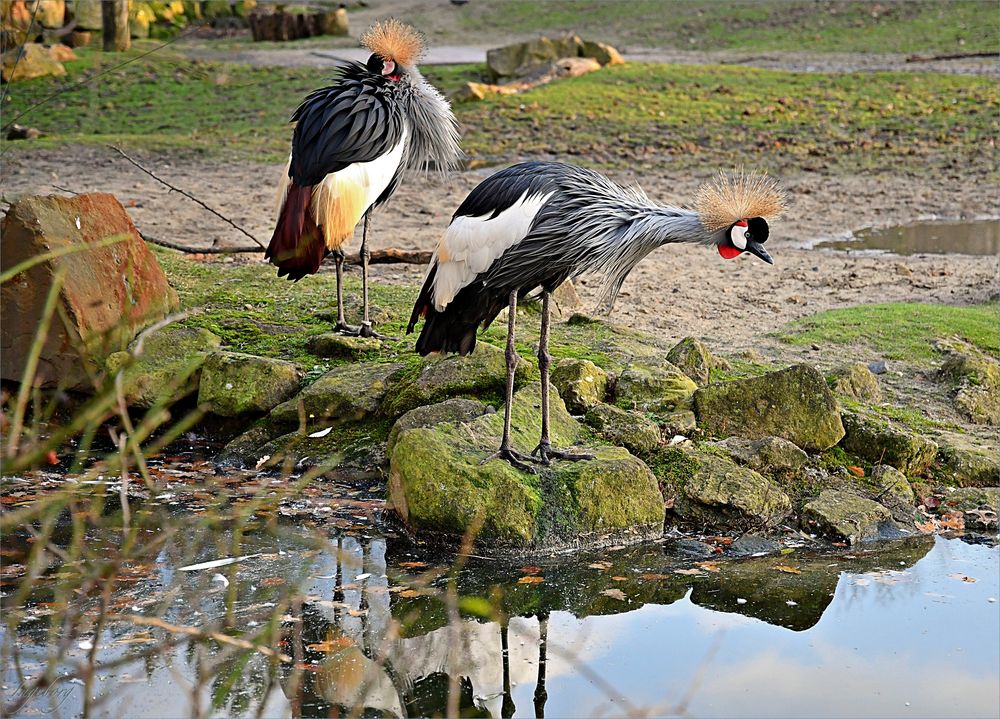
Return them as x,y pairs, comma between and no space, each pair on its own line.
879,367
772,456
693,548
604,54
845,516
332,344
976,381
348,393
858,381
581,384
753,544
968,463
638,434
233,383
693,358
893,490
679,422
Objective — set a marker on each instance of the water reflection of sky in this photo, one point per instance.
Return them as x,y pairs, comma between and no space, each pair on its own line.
927,645
909,643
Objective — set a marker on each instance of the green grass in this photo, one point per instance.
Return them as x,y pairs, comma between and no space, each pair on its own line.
899,331
762,26
640,116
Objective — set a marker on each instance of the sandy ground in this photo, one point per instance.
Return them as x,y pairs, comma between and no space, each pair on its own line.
677,291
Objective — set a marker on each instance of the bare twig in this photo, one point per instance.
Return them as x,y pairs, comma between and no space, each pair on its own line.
186,194
951,56
201,634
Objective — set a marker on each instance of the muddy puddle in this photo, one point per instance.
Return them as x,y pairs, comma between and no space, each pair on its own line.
978,237
362,621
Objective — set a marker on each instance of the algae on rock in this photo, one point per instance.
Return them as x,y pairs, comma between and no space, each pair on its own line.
581,384
881,441
348,393
657,389
636,433
233,383
846,516
793,403
439,483
858,381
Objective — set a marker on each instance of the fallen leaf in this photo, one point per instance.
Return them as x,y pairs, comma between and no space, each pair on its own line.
412,565
689,572
709,566
531,570
615,594
952,520
52,457
619,579
963,577
855,470
330,645
788,570
358,612
600,565
409,593
530,579
273,581
927,527
654,576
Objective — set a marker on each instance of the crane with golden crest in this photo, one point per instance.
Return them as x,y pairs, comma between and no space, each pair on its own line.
351,145
534,225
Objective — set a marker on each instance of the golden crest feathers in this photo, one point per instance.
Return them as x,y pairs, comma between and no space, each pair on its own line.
394,40
738,195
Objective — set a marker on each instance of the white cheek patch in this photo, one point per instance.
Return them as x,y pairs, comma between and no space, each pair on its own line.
737,235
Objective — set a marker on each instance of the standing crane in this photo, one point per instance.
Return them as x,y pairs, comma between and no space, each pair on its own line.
351,144
537,224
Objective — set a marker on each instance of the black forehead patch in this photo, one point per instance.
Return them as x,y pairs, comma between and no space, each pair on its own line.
375,64
757,226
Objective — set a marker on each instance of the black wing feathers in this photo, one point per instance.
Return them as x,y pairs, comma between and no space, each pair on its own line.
352,121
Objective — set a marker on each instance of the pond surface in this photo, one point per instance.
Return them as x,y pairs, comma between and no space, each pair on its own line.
978,237
909,630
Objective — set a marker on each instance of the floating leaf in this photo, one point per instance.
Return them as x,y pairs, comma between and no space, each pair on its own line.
531,570
215,563
357,612
689,572
615,594
531,579
709,566
600,565
409,593
412,565
651,575
476,605
788,570
321,433
331,644
619,579
963,577
273,581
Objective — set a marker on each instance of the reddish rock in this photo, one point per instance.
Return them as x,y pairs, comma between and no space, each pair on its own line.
109,292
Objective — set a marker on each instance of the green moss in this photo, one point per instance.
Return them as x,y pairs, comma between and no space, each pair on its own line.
673,466
900,331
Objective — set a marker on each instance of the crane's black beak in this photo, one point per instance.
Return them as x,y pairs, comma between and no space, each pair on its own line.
756,248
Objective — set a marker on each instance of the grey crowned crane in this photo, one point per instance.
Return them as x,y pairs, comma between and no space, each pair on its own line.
536,224
351,144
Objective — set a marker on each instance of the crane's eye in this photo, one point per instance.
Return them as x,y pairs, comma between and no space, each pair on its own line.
739,235
389,69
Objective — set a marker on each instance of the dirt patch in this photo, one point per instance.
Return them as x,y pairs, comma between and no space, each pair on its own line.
676,291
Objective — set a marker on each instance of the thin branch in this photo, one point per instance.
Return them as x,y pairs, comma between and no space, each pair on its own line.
187,195
202,634
951,56
390,256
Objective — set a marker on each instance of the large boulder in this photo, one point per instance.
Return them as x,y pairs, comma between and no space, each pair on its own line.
112,285
637,433
233,383
442,482
652,388
49,13
713,490
28,62
348,393
482,373
522,58
163,366
793,403
87,14
581,384
849,517
456,411
882,441
602,52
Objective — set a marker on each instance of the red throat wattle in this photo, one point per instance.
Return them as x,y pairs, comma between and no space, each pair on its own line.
729,252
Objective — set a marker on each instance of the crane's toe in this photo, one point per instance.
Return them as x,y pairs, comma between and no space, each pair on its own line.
515,458
546,454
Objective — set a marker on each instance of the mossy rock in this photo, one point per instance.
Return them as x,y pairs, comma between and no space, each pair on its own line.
357,455
639,434
981,505
233,383
966,463
892,489
713,490
451,410
243,451
856,380
976,381
581,384
348,393
692,357
772,456
653,388
333,344
881,441
441,486
793,403
848,517
167,368
482,373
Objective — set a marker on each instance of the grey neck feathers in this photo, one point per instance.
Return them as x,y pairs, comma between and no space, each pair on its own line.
434,138
649,227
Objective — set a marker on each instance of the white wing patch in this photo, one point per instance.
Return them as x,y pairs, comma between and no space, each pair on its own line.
471,244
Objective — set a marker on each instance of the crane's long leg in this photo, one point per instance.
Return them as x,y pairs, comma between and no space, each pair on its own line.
541,695
507,451
366,323
544,449
341,326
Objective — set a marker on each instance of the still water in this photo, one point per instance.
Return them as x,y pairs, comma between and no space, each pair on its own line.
978,237
910,630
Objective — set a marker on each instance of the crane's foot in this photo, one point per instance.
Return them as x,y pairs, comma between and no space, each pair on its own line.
546,454
516,459
345,329
366,331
